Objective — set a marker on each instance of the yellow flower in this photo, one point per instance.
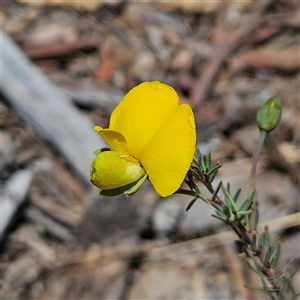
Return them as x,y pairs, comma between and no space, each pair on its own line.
149,133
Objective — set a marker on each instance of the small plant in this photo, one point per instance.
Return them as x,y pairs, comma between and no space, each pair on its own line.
161,148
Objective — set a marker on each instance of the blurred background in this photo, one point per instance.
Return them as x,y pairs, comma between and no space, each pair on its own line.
65,65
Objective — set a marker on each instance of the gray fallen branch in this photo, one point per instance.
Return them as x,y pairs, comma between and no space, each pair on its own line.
59,213
13,195
46,225
28,236
93,96
47,109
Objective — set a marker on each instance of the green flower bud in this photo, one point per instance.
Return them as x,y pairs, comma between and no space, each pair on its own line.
268,116
110,170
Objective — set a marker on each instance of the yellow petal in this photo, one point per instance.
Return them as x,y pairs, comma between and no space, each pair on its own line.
110,170
142,112
167,157
114,139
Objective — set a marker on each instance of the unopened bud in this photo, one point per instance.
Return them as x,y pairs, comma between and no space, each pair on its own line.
268,116
110,170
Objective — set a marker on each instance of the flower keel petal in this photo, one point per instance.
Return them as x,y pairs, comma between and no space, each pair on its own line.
110,170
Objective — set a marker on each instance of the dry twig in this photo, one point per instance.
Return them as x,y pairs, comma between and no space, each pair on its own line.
228,44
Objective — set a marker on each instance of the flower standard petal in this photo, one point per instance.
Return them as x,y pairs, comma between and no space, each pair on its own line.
142,112
168,155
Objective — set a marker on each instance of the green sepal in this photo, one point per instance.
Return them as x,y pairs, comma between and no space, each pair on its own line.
128,189
138,184
117,191
98,151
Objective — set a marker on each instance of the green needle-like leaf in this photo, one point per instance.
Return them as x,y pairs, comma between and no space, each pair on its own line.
263,240
268,239
236,195
220,217
256,270
254,287
228,187
274,257
229,200
244,204
217,206
221,214
244,213
216,191
267,256
191,204
208,161
213,170
202,166
255,218
294,296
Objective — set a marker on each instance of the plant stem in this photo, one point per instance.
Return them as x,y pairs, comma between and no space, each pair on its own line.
187,192
262,137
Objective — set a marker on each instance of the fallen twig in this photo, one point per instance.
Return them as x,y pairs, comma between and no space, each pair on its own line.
59,49
224,48
267,57
47,109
